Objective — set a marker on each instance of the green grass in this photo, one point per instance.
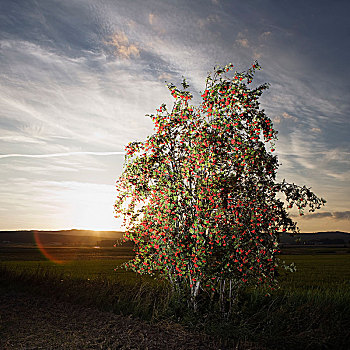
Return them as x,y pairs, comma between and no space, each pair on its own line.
310,310
80,269
316,271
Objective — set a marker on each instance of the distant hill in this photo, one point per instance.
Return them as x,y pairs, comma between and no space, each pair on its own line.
60,238
316,238
74,232
107,238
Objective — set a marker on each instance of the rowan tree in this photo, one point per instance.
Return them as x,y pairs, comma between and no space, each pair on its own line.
199,197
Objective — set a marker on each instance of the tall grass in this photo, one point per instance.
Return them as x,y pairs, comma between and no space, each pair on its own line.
82,283
311,310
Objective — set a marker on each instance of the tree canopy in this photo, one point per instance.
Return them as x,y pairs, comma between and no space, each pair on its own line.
200,198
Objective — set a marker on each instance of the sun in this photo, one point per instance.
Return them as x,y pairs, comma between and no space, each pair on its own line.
97,216
91,207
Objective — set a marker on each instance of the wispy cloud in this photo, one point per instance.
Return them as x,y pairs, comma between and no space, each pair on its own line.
265,35
122,48
340,176
243,42
342,215
165,76
316,130
209,20
59,154
151,18
337,215
67,98
285,115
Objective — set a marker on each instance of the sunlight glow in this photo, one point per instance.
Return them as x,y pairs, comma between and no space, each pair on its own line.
91,206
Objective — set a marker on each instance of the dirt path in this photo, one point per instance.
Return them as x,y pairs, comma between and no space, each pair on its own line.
30,323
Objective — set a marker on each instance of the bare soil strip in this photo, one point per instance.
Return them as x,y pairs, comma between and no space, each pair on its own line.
28,322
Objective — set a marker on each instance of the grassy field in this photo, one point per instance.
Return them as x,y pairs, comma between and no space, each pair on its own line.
310,310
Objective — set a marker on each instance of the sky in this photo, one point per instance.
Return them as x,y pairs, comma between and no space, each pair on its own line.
77,78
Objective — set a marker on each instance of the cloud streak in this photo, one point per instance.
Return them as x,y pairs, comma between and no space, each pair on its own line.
337,215
65,154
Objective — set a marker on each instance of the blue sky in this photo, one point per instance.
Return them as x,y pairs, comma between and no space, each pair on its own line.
77,78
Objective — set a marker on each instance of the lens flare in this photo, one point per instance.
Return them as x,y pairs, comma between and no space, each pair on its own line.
41,247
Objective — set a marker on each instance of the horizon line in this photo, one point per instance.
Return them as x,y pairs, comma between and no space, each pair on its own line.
114,230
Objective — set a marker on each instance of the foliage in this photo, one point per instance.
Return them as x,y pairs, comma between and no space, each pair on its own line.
199,197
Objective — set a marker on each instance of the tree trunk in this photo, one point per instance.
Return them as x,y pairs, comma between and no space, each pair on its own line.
194,294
